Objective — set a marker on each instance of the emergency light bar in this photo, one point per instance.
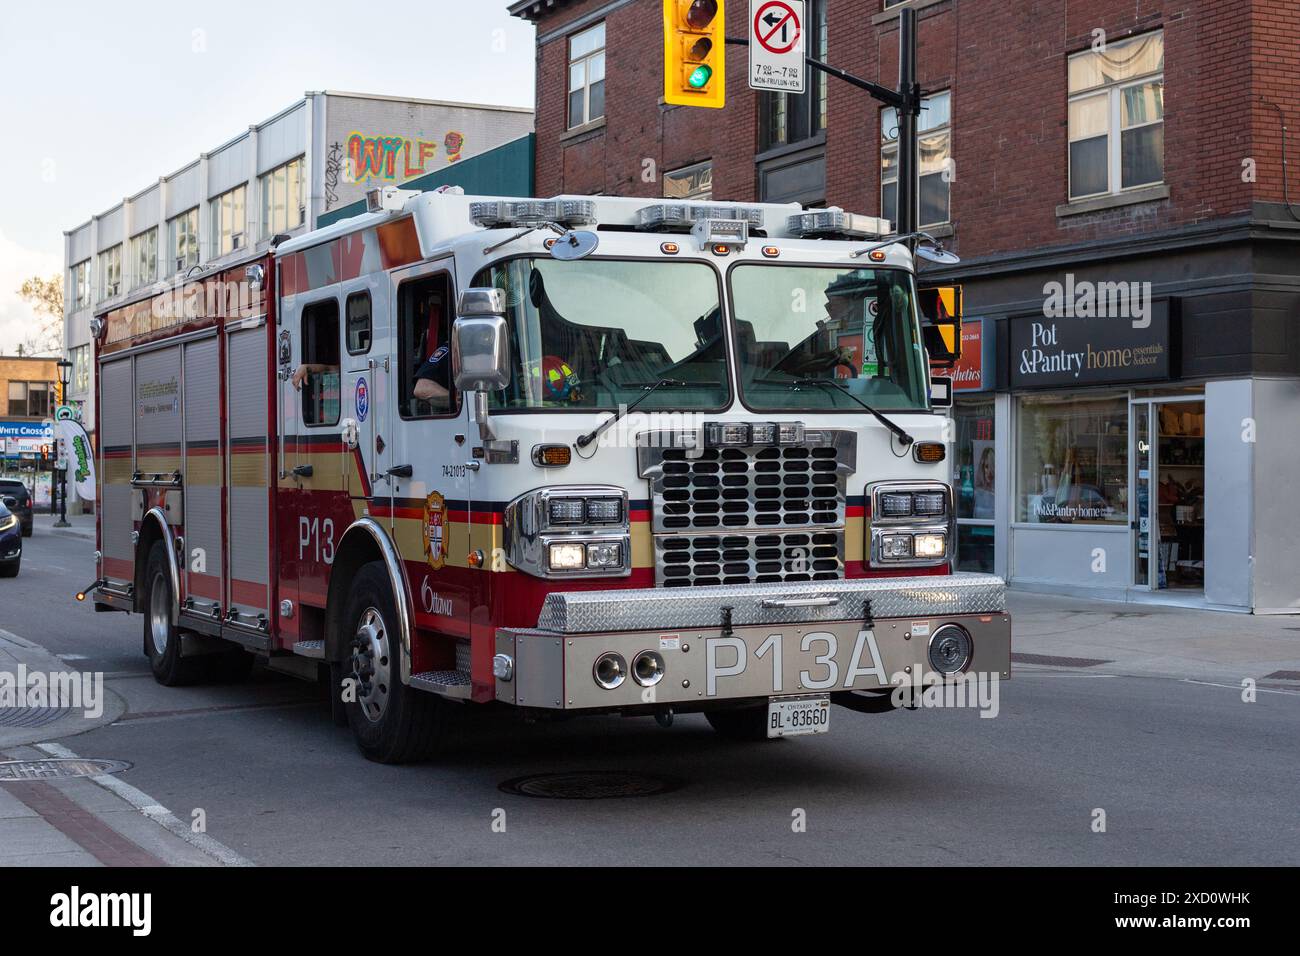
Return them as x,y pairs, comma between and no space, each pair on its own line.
525,212
836,223
680,217
721,233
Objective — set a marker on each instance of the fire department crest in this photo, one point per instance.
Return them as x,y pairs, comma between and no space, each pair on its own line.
435,530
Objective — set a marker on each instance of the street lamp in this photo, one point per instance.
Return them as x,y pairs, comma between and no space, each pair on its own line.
65,369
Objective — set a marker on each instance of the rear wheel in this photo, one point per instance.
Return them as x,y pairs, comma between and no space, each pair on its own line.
743,723
162,641
392,723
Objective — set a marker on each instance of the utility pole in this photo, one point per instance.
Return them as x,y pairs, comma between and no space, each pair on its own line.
906,101
909,92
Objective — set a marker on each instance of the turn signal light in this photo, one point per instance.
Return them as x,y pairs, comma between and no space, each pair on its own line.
552,456
929,452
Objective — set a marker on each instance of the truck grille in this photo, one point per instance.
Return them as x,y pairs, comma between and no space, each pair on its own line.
748,515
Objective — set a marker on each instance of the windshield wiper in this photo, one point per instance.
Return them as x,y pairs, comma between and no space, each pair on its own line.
650,388
798,383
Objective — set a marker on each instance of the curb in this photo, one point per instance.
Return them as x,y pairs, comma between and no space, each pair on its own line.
17,652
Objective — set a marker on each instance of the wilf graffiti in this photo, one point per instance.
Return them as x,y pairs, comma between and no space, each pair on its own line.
396,158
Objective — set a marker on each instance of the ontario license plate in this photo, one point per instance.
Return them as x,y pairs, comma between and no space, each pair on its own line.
804,715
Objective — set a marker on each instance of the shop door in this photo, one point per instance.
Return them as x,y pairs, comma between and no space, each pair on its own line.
1168,511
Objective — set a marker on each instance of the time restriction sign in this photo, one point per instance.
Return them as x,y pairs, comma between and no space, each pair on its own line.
776,47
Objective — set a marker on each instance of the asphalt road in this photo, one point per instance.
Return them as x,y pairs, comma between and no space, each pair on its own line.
1186,772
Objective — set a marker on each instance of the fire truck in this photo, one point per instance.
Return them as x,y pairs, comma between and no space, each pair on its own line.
581,455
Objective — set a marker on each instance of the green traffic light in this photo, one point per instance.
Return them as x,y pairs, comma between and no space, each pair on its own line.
700,77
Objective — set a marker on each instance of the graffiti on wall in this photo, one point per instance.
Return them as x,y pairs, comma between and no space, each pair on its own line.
333,170
396,158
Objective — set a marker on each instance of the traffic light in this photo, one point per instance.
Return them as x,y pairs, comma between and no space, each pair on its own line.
695,45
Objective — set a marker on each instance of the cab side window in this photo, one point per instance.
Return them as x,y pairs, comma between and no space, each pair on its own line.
358,313
424,346
320,356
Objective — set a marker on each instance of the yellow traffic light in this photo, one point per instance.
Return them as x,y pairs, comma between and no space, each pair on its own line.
695,45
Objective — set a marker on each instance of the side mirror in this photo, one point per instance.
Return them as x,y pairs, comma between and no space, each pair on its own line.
480,342
941,310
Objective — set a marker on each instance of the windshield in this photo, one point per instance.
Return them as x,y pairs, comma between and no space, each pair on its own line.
596,333
813,337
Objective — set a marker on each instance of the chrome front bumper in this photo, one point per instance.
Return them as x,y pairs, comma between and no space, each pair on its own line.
730,643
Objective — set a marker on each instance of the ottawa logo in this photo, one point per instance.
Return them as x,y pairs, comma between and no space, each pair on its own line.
435,530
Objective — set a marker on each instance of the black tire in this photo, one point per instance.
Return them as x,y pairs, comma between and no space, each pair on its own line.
27,531
391,722
169,668
742,723
10,570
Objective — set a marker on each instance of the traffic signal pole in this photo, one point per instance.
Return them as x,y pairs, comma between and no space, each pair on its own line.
906,101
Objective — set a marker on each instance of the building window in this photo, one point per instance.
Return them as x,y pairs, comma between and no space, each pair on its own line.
229,221
31,399
144,256
1117,113
587,76
80,369
358,327
1072,460
787,118
183,240
79,285
693,182
282,205
320,357
110,272
934,149
973,465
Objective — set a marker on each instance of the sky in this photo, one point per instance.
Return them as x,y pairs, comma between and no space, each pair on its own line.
100,99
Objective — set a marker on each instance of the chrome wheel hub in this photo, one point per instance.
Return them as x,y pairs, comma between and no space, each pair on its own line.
160,622
371,663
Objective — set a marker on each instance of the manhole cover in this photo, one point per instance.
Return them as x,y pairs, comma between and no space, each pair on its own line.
31,716
25,770
593,785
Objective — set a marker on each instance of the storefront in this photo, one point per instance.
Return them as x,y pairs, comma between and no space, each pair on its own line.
975,453
26,454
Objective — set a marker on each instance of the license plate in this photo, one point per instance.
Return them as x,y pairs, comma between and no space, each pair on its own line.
804,715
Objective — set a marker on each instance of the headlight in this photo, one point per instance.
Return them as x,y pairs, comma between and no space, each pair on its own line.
895,546
930,545
8,522
602,557
895,504
567,557
930,503
569,531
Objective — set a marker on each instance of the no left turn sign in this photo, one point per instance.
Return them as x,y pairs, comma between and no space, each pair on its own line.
776,45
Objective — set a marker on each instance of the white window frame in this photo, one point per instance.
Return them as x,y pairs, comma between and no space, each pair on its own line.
80,285
221,205
191,219
586,60
110,262
144,241
295,212
1114,130
893,145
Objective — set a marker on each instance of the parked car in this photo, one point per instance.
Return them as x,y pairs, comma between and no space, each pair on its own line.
13,488
11,538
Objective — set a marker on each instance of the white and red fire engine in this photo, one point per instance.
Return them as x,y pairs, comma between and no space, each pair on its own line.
578,455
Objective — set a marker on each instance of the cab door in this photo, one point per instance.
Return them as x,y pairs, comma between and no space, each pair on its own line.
431,451
366,387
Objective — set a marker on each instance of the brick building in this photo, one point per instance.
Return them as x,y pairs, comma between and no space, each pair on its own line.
27,389
1111,172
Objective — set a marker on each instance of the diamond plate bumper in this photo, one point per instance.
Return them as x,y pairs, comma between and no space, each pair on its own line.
591,612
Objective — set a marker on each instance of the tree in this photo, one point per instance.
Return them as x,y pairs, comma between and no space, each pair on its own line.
46,299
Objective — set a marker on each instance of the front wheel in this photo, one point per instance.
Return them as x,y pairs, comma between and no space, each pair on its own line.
391,722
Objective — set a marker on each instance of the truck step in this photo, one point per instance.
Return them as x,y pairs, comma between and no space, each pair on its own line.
446,683
313,649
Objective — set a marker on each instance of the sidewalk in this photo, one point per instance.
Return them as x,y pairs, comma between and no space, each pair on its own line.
1153,641
82,526
60,807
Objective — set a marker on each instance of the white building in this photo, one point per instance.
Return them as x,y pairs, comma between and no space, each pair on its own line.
307,165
